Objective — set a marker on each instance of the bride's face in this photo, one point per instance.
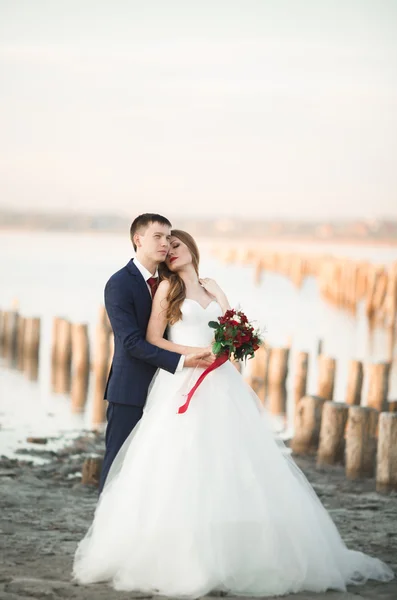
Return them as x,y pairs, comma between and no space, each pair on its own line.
178,255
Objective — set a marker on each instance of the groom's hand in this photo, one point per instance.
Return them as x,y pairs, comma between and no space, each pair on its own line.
199,359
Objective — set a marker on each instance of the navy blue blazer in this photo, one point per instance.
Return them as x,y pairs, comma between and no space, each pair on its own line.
128,303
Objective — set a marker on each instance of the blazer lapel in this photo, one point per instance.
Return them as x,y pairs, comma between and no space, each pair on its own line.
139,281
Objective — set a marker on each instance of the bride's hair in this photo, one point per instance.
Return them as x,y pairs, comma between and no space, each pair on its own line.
177,291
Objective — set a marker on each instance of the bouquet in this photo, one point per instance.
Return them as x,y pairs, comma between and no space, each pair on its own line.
234,338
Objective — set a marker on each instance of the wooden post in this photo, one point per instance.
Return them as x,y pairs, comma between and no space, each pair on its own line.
277,396
391,341
386,467
380,291
4,335
332,433
20,354
32,338
391,295
31,368
258,271
54,350
391,310
307,425
258,367
63,357
300,381
54,341
80,366
371,285
91,471
11,337
64,350
354,383
278,366
80,349
326,377
3,332
378,386
6,328
361,442
351,288
101,367
362,280
31,348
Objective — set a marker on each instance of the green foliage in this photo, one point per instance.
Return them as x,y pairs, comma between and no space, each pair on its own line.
234,335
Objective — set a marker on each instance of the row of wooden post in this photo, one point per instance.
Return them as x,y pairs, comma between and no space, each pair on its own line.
20,341
71,365
269,369
361,437
70,360
364,437
343,282
70,356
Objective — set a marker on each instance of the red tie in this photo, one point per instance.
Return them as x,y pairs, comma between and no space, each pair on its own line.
153,284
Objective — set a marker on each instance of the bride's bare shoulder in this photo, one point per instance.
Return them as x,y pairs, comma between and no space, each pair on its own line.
163,287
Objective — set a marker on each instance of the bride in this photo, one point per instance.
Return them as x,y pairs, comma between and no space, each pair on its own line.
209,500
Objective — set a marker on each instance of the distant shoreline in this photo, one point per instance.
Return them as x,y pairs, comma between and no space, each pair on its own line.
266,240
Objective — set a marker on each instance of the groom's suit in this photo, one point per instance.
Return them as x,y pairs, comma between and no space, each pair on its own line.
128,304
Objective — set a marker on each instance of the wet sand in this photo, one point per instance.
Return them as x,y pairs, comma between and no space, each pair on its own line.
45,511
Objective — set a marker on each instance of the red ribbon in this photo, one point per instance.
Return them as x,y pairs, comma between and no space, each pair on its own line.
218,362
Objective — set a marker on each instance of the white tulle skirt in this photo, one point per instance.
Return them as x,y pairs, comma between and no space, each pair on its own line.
209,500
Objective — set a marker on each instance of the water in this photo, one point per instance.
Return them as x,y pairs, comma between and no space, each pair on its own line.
63,274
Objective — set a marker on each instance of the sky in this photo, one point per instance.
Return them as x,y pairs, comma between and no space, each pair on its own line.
274,108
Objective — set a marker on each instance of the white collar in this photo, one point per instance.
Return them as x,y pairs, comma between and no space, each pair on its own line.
143,270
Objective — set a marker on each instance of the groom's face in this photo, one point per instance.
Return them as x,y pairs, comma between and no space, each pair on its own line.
154,241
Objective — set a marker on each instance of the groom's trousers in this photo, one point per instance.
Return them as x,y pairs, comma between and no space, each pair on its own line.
121,420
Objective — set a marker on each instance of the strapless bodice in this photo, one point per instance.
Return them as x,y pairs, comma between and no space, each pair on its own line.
193,329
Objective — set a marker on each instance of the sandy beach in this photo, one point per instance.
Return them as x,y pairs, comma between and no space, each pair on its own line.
45,511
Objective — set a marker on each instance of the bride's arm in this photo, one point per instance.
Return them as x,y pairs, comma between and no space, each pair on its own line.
216,292
158,323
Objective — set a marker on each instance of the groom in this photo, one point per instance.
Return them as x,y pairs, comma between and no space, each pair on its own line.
128,301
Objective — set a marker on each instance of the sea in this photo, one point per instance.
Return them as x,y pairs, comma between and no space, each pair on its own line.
47,274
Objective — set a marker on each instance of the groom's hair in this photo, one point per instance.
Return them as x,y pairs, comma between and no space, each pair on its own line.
143,221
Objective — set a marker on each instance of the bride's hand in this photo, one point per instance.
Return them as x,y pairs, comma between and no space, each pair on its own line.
202,359
211,287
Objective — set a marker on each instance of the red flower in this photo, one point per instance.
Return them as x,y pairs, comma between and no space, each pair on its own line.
235,335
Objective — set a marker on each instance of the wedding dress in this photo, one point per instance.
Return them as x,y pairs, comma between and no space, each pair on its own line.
210,500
